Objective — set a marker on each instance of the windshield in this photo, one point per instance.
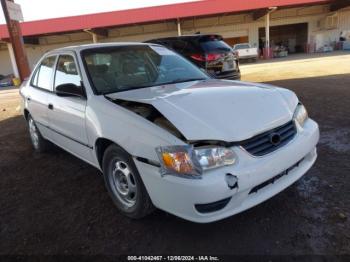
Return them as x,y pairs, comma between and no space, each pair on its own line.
242,46
116,69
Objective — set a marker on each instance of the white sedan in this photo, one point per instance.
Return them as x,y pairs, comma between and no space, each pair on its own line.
164,133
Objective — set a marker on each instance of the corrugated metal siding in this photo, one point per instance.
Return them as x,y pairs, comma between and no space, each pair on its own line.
5,64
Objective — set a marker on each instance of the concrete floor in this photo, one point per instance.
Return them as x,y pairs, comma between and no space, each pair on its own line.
297,66
56,204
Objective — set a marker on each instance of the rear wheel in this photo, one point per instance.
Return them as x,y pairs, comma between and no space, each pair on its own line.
124,183
39,143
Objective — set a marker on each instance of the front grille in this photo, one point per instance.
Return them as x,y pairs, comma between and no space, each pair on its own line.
267,142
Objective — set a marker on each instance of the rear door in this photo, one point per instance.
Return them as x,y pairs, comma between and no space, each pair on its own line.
67,113
40,88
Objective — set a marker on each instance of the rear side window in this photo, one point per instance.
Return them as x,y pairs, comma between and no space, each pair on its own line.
215,45
43,75
66,72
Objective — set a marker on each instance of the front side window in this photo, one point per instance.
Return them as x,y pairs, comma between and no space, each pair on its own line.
66,71
116,69
43,75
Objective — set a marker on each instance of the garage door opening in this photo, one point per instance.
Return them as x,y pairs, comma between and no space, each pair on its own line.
293,37
236,40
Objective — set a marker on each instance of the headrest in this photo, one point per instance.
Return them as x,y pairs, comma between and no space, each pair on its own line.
130,67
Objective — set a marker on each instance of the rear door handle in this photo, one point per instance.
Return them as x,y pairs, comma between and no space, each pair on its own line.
50,106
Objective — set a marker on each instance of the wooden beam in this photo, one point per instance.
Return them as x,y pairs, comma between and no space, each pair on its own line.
30,40
339,4
259,13
98,31
5,40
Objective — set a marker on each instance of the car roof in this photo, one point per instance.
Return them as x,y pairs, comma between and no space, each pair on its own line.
78,48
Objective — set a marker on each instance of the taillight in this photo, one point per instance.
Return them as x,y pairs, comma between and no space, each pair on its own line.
198,57
212,57
207,57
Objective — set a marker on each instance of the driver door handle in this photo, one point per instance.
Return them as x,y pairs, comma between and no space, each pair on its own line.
50,106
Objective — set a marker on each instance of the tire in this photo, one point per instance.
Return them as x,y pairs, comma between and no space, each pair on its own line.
124,183
39,143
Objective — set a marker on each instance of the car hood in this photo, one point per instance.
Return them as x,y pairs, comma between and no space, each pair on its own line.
218,109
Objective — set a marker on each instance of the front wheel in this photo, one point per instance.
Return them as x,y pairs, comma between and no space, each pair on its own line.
124,183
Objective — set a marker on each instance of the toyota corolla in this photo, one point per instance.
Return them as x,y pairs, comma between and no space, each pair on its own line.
164,134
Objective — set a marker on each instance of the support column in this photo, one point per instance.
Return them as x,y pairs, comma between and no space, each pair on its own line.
267,30
94,38
178,27
13,60
267,50
96,33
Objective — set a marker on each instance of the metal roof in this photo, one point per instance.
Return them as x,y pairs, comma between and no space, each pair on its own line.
148,14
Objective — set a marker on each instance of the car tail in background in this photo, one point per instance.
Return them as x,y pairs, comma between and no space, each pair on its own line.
246,52
209,52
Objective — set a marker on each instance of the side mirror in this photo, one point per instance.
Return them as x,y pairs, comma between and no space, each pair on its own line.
70,90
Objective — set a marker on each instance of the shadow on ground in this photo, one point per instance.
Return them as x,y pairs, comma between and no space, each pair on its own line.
56,204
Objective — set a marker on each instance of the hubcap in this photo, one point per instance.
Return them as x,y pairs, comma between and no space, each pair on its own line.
34,135
123,183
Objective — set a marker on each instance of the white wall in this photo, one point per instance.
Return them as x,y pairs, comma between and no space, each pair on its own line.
5,64
323,36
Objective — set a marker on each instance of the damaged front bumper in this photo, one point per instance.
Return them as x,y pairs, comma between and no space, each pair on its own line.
258,179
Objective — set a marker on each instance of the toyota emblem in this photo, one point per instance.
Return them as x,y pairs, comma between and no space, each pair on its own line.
275,139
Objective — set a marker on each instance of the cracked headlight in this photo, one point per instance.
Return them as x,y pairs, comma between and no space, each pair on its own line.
189,162
300,115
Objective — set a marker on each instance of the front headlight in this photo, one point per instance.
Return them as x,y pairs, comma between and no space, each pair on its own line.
212,157
189,162
300,115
